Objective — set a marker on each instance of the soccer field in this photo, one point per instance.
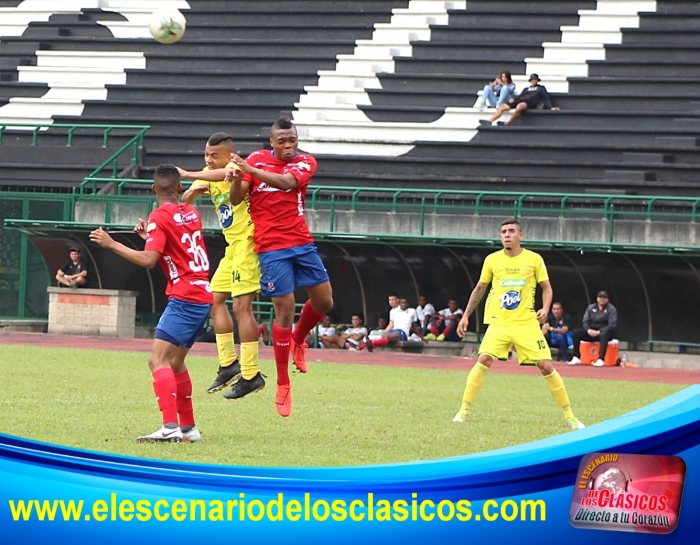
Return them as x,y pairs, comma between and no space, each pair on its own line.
343,414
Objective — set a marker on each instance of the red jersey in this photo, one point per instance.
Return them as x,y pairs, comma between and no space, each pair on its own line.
278,216
175,231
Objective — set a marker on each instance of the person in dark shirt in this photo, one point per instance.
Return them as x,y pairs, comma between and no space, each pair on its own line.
531,98
74,272
557,330
599,324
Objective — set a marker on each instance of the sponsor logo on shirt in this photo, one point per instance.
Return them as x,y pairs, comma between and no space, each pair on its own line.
151,227
268,188
187,217
225,216
513,283
510,300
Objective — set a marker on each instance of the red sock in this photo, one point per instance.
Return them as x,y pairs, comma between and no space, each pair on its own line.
308,319
165,388
433,330
380,342
281,337
184,398
447,331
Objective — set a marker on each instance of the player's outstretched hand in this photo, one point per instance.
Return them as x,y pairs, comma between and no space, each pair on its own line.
101,237
240,162
462,326
140,229
541,316
233,175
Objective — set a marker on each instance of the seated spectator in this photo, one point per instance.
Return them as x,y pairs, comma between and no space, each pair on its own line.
530,98
315,337
497,92
599,324
402,322
74,272
353,338
444,323
378,332
425,312
264,333
557,330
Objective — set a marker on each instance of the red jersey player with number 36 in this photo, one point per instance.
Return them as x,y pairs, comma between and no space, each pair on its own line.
173,237
277,180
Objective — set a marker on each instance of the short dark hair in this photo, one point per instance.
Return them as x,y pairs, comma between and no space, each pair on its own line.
359,315
166,177
219,138
511,221
283,123
393,294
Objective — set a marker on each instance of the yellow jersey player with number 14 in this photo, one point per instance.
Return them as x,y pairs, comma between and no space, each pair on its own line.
513,274
237,275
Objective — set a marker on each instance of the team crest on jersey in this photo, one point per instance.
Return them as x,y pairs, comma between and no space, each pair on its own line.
510,300
304,166
225,216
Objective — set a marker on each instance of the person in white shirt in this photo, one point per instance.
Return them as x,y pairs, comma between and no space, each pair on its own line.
315,337
425,312
402,322
378,333
352,338
444,323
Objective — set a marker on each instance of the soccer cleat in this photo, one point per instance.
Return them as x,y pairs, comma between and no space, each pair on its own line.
191,436
461,416
430,337
484,122
299,356
598,363
369,345
574,361
574,423
225,376
440,337
283,399
163,435
243,387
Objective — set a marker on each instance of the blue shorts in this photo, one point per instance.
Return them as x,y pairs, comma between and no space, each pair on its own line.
285,269
181,321
404,337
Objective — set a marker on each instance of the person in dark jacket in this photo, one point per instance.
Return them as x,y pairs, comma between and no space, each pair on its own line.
599,323
531,98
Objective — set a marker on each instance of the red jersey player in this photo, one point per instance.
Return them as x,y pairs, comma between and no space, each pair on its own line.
277,180
173,237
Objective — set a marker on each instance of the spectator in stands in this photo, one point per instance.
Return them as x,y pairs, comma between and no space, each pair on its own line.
497,92
353,338
315,337
444,324
378,332
74,272
557,330
530,98
599,324
403,321
393,301
425,312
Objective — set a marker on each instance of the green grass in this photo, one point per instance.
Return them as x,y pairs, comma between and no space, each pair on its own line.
343,414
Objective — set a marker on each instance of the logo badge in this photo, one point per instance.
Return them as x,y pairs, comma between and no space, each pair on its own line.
225,216
510,300
628,493
270,286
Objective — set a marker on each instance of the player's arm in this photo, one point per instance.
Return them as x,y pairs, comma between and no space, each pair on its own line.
195,191
474,299
415,329
215,175
144,258
389,327
279,181
547,295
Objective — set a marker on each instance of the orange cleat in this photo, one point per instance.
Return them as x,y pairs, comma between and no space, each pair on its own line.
283,399
299,357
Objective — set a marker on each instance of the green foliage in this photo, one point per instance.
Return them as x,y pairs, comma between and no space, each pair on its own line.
343,414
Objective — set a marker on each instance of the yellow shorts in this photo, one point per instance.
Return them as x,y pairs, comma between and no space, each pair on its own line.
238,272
527,338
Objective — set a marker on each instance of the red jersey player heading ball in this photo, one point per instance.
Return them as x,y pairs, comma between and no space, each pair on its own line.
277,180
173,235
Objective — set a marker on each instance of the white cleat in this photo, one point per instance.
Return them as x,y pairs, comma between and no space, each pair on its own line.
574,361
461,416
598,363
192,436
163,435
574,423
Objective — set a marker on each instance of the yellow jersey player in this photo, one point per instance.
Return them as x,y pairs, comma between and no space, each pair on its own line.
513,273
237,275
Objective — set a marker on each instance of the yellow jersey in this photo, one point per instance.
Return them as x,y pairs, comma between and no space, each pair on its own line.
235,221
513,283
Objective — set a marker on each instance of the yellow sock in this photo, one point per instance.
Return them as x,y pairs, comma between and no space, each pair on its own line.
474,381
225,348
556,386
249,360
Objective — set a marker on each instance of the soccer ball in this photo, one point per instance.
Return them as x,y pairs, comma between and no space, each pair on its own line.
167,26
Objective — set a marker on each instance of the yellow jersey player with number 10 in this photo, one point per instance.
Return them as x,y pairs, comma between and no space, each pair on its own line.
237,275
513,274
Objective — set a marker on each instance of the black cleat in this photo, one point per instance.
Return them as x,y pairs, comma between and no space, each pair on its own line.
225,376
244,387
